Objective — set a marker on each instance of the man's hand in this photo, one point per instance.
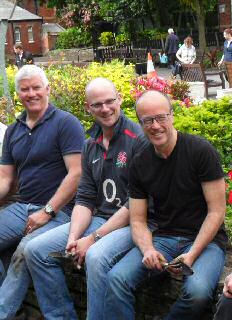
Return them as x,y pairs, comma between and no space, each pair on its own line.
227,290
36,220
187,258
78,249
153,259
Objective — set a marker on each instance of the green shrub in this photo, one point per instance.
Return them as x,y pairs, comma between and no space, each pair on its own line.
151,34
106,38
122,38
211,120
68,86
73,38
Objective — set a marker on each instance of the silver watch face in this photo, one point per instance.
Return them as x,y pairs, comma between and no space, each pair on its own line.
97,237
48,208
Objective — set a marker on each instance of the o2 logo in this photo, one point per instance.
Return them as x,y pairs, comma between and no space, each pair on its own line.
110,191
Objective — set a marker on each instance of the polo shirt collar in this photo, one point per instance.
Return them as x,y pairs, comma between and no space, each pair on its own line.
48,113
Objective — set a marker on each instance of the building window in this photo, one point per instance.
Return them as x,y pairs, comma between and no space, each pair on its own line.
30,34
17,34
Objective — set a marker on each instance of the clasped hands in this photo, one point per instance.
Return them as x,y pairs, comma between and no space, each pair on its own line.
78,248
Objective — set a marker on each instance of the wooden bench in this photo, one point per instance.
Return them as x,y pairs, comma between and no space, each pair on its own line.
228,66
195,72
151,303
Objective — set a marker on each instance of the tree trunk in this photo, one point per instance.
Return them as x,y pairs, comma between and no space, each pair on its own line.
201,24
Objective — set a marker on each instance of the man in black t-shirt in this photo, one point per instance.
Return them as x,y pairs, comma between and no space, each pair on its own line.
184,176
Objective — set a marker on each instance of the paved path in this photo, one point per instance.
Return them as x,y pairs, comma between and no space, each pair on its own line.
196,88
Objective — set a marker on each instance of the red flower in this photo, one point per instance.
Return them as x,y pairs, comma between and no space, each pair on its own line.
230,197
230,175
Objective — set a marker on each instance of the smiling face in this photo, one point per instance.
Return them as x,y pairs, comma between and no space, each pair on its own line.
103,102
161,133
34,95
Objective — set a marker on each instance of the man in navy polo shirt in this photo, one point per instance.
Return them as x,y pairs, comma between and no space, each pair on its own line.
42,150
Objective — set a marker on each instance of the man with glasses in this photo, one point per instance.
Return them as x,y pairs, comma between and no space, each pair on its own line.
183,175
99,233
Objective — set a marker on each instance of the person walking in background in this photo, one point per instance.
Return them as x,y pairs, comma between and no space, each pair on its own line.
227,50
185,54
171,47
22,57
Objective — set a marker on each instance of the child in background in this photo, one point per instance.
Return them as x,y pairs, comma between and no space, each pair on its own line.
163,59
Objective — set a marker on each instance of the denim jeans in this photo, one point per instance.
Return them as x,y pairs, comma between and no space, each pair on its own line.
100,259
224,309
198,289
12,225
49,280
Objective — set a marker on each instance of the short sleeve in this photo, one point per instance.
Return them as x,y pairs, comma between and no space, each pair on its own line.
207,162
71,135
6,158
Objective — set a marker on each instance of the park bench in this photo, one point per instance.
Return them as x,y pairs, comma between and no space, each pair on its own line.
228,66
195,72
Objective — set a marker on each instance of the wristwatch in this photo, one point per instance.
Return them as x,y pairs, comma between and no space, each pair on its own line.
49,210
96,236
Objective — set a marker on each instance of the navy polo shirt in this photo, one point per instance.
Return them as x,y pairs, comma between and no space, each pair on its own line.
38,153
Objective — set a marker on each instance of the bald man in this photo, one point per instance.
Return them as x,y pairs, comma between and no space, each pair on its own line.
183,175
99,231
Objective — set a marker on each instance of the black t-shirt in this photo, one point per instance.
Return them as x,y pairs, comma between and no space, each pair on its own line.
175,184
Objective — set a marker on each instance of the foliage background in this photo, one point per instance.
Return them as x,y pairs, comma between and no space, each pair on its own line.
212,119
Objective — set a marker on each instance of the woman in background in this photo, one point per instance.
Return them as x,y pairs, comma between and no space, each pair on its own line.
185,54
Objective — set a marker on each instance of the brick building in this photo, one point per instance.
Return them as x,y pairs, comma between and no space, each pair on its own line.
23,27
225,16
40,9
50,27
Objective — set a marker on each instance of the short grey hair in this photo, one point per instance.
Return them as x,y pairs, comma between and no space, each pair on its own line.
29,71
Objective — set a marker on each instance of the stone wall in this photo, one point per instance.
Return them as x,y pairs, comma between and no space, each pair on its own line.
153,298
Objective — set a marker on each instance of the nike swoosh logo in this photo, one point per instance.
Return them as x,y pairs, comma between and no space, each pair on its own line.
94,161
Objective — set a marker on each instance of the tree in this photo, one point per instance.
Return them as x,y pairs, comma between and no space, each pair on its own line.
200,7
3,31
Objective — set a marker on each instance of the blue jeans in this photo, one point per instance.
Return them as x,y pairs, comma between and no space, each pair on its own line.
12,225
100,259
198,289
47,274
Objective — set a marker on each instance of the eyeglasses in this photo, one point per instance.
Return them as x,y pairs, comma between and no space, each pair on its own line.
160,118
98,105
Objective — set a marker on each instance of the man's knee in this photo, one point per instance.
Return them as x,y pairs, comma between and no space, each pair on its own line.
94,258
18,259
199,293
